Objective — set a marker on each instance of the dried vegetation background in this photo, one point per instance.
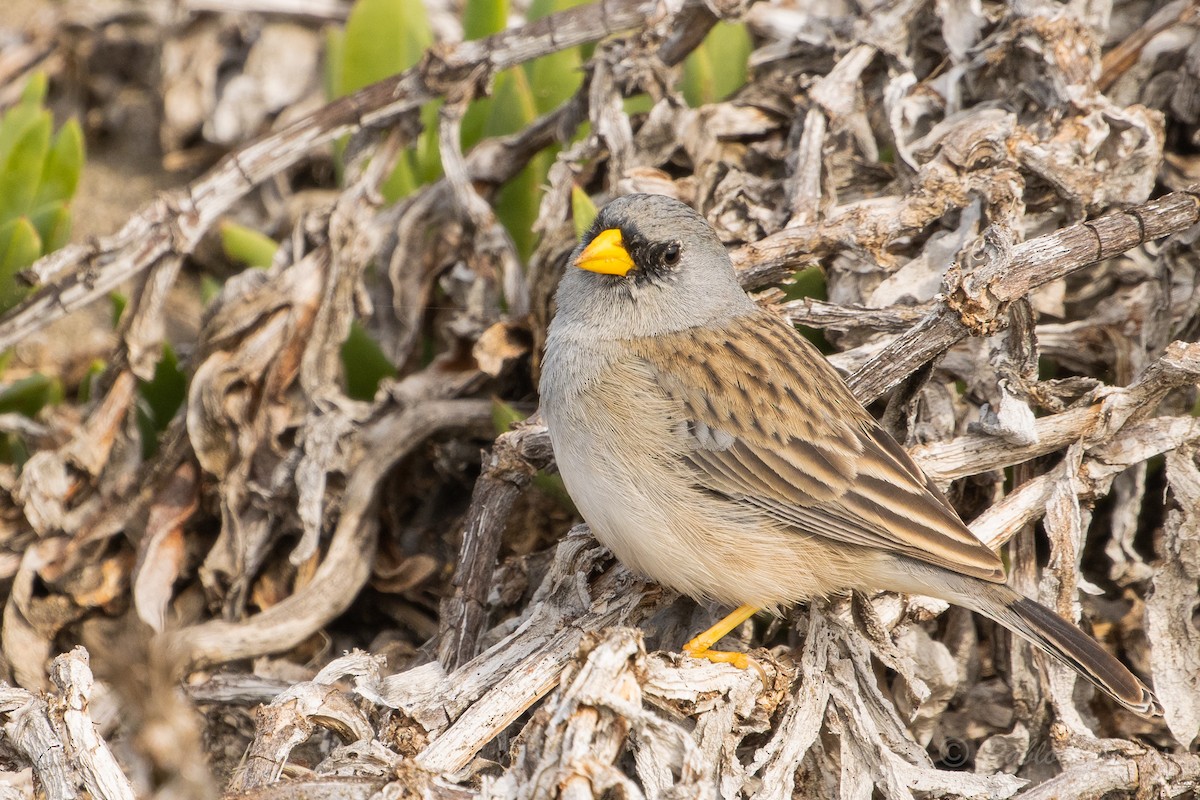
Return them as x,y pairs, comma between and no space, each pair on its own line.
300,594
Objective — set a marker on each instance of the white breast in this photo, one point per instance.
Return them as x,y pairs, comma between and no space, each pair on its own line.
620,443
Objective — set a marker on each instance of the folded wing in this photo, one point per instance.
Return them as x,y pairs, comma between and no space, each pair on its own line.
793,443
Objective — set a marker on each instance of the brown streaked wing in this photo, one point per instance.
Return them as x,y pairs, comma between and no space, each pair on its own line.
803,450
897,457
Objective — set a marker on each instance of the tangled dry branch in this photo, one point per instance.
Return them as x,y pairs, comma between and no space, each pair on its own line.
1005,224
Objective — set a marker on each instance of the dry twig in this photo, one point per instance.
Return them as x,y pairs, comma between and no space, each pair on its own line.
978,193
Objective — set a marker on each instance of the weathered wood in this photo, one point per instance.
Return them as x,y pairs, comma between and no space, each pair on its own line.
975,191
974,302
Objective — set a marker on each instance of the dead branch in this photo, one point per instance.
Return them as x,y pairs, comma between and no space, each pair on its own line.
27,726
508,471
1091,424
347,562
99,772
975,303
77,274
924,148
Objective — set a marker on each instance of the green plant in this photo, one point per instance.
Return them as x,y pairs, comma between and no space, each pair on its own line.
557,76
810,282
381,38
583,211
504,417
511,108
807,282
159,398
39,170
717,68
247,246
26,396
30,394
364,363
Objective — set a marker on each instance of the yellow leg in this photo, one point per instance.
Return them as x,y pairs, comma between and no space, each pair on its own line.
699,646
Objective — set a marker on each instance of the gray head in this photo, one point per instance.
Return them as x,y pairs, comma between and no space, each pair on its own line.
649,265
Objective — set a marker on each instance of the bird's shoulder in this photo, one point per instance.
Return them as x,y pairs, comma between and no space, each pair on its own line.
771,424
756,377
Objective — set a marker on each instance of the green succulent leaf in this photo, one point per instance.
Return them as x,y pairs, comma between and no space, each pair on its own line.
808,282
471,130
91,379
247,246
517,206
13,449
428,158
38,176
717,68
557,76
484,17
164,393
544,84
119,302
60,174
583,211
34,93
30,394
20,246
53,224
504,416
403,180
21,171
480,18
551,484
17,119
638,104
554,78
364,363
160,397
382,37
512,108
210,287
335,62
698,78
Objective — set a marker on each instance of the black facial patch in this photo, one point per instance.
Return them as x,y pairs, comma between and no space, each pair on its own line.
652,260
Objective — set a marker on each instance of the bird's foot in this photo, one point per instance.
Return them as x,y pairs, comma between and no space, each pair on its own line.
701,646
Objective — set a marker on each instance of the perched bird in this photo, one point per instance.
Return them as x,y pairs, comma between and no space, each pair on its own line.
714,450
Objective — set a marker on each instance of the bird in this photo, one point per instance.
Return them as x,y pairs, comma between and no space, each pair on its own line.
713,449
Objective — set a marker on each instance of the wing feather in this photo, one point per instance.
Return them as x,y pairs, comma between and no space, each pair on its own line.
775,428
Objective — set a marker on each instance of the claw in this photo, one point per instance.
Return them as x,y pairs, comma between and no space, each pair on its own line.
699,647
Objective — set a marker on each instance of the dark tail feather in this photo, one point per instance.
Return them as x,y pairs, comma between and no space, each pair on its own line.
1034,622
1074,648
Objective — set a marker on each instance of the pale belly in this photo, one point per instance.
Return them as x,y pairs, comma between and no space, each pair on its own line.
621,449
635,494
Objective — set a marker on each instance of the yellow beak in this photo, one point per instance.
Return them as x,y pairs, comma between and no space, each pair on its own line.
606,254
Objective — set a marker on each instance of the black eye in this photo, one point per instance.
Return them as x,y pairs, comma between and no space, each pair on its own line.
671,254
